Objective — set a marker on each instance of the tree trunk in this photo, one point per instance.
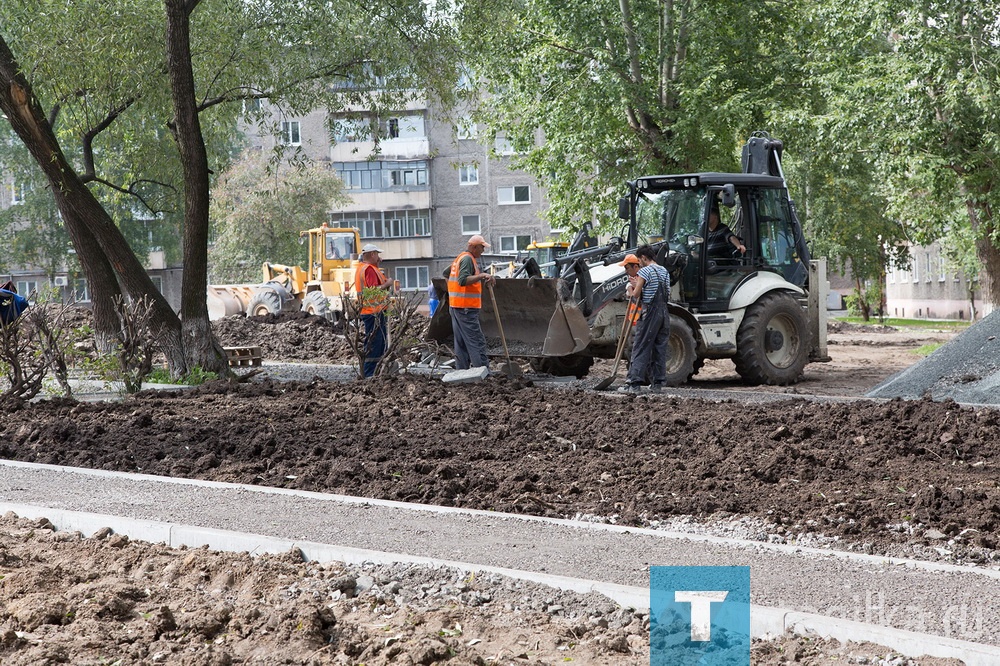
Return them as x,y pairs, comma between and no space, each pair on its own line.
101,248
200,345
981,219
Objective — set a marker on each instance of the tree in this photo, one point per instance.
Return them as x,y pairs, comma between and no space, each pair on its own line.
97,240
959,249
123,97
916,84
622,88
258,210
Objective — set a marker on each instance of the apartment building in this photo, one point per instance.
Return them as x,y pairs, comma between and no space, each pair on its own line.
929,289
423,190
419,194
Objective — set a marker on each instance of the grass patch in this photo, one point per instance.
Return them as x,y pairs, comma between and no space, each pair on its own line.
196,377
896,322
926,350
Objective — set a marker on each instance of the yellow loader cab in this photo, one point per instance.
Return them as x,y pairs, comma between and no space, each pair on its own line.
546,253
318,289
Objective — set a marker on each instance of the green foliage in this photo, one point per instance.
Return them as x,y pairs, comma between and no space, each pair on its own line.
258,210
623,89
98,67
196,377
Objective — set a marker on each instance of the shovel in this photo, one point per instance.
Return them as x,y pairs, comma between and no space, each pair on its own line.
510,369
608,381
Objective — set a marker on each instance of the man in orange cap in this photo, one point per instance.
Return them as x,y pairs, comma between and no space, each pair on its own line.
651,287
465,298
632,265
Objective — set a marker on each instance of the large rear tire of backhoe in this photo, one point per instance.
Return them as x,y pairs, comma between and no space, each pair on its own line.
264,302
682,351
772,344
563,366
316,303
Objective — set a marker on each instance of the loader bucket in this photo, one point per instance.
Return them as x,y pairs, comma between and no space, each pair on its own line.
536,321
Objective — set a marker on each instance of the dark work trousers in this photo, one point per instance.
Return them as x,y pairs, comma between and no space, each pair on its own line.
470,343
375,325
650,350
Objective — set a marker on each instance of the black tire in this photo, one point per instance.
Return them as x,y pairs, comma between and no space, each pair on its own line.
682,349
265,301
563,366
316,303
772,344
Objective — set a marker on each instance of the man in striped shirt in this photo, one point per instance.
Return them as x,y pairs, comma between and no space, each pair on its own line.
649,346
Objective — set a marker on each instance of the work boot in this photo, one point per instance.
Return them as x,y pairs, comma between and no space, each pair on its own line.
629,388
655,388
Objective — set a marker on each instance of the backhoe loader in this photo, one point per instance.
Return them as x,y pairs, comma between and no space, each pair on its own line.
764,309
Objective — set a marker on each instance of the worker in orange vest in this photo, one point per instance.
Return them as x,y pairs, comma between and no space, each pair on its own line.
369,276
465,299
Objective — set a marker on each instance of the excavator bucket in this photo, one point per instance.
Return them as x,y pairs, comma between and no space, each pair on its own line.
568,332
536,321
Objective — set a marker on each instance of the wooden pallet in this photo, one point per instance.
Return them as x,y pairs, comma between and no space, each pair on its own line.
243,356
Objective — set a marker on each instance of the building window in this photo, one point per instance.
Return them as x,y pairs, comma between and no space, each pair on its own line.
157,282
942,269
514,244
386,224
465,129
81,290
350,130
16,194
468,174
890,276
927,267
370,228
290,135
519,194
406,224
412,278
502,145
382,176
27,288
470,224
392,128
404,174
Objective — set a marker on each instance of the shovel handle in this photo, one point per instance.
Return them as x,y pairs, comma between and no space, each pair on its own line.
496,314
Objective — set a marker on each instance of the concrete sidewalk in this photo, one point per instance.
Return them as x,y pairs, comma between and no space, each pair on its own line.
913,607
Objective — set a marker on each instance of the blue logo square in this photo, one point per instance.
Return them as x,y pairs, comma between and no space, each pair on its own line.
699,616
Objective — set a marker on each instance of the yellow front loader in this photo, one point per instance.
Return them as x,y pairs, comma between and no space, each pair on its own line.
318,289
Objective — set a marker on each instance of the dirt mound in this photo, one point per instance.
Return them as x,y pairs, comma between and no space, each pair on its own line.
847,327
292,336
106,599
875,474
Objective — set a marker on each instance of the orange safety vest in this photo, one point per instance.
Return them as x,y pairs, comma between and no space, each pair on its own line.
469,296
633,312
374,303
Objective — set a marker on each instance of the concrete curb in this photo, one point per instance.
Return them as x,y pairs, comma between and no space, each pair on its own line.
765,621
580,524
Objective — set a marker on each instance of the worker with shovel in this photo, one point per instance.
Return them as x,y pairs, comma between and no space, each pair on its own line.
650,286
373,290
465,300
